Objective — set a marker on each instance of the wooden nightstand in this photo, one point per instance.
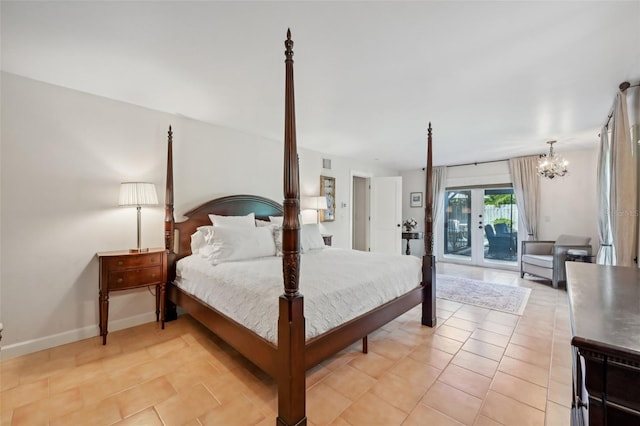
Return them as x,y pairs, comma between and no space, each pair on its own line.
413,235
327,239
124,270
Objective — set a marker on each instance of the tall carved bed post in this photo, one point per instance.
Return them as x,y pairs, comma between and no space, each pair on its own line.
170,309
291,327
429,260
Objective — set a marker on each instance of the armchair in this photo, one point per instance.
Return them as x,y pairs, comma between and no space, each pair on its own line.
546,258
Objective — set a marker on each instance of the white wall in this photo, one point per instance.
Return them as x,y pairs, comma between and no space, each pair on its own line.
567,204
342,169
63,156
413,181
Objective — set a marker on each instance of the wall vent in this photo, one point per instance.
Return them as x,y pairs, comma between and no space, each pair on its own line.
326,163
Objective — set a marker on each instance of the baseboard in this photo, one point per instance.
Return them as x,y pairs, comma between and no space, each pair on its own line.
35,345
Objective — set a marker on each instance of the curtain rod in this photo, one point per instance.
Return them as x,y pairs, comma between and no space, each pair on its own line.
623,86
475,163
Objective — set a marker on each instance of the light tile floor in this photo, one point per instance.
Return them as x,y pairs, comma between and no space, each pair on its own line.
478,367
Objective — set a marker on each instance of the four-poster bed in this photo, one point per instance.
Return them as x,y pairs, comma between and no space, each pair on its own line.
293,353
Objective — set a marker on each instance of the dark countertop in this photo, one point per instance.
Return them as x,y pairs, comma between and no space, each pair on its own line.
605,307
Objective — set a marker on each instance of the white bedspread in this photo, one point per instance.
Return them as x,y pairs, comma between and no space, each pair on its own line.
338,285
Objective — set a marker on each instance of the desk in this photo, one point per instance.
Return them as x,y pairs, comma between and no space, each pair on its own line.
604,304
413,235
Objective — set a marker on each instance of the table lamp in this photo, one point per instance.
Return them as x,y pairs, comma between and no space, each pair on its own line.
138,194
315,203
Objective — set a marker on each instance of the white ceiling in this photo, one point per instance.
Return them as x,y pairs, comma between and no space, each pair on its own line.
496,79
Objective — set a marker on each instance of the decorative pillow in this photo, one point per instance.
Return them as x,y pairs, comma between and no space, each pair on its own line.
276,219
208,231
310,244
201,238
310,237
248,221
230,244
260,222
277,238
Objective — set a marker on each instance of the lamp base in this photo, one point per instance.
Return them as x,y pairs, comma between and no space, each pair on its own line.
139,250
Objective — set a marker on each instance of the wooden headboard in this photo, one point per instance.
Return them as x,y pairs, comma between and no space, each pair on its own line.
234,205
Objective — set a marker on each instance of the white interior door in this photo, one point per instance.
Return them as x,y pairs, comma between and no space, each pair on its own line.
386,215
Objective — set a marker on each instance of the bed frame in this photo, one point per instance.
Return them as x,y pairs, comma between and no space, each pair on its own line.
287,361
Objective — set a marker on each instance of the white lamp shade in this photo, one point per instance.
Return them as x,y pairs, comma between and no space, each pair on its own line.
314,203
321,203
138,194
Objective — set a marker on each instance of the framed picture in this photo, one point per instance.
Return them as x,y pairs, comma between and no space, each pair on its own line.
415,199
328,189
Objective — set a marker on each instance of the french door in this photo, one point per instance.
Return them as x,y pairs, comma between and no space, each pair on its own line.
480,226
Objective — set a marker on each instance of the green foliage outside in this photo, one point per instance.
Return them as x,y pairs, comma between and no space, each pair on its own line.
503,220
498,200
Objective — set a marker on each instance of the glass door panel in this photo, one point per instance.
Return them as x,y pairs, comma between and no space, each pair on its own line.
457,218
500,225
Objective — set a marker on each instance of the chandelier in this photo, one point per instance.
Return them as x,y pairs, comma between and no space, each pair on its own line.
551,165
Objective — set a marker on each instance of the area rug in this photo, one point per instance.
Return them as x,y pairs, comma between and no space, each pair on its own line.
500,297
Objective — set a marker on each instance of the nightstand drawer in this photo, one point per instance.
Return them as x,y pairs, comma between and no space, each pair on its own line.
134,278
140,260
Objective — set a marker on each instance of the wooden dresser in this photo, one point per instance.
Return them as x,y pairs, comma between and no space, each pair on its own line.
605,324
124,270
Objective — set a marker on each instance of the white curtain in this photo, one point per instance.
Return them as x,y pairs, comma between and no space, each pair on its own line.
438,181
439,178
624,186
606,253
526,186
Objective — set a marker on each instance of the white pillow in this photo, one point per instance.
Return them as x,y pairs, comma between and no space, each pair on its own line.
277,238
229,244
248,221
263,222
310,237
201,238
276,219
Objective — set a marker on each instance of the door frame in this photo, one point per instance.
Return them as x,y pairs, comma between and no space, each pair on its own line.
367,176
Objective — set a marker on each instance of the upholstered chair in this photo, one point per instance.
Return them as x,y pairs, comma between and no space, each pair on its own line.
501,228
499,244
546,259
